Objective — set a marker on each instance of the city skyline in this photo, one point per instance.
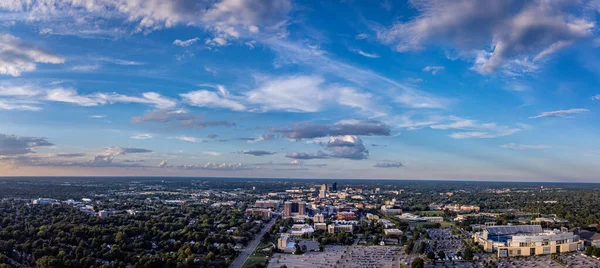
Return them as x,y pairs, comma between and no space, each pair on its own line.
437,90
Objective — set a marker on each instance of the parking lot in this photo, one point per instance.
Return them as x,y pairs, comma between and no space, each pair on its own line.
328,258
445,241
373,256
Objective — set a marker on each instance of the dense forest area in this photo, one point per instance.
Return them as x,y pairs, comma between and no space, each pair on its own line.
62,236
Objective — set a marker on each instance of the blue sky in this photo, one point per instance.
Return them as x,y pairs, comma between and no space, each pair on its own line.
461,90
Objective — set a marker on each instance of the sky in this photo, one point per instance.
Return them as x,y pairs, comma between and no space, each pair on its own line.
424,89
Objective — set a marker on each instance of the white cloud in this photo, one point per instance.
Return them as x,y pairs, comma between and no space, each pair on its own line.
225,19
433,69
482,134
120,61
294,94
365,54
348,96
217,41
513,30
85,68
98,116
70,95
362,79
472,129
596,97
515,146
163,164
187,139
361,36
142,136
418,99
19,105
205,98
28,97
211,153
561,113
17,56
185,43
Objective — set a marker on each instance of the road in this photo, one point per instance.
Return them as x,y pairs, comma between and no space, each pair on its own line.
241,259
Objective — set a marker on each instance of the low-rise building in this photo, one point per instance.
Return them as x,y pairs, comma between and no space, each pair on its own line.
390,209
267,203
301,229
103,214
393,232
284,241
337,228
372,217
320,226
590,238
346,216
433,219
262,212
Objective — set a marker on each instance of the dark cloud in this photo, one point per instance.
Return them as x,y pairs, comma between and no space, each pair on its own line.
17,145
257,152
266,136
350,147
307,156
378,145
106,159
215,123
213,136
133,161
216,166
351,127
178,118
73,155
388,165
295,162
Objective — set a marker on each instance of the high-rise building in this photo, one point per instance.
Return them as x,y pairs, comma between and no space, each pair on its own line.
301,208
334,187
319,218
324,187
292,208
322,194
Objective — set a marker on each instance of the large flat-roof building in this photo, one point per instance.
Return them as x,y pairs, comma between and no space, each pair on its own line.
267,203
526,240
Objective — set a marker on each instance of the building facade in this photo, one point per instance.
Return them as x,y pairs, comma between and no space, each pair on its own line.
526,240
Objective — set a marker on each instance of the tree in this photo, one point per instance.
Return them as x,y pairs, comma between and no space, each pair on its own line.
589,250
441,255
468,255
597,252
409,247
422,247
417,263
431,255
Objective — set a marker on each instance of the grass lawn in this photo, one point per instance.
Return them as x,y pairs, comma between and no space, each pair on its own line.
431,213
255,259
